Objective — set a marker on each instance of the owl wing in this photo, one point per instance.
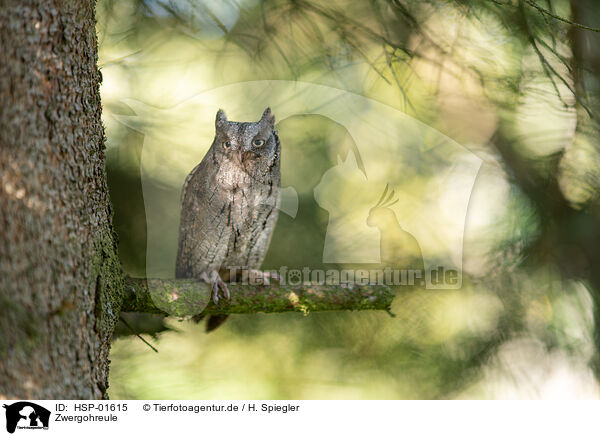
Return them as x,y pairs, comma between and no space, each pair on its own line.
262,231
267,217
203,230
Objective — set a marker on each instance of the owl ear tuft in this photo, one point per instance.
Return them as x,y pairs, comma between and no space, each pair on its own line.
267,116
221,118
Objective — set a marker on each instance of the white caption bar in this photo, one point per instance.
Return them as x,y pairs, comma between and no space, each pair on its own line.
299,417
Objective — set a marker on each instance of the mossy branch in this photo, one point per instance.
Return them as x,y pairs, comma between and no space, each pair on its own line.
184,297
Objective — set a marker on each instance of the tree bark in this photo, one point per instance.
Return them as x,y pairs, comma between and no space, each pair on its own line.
60,278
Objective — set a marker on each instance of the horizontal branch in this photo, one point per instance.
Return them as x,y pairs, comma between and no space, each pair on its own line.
186,297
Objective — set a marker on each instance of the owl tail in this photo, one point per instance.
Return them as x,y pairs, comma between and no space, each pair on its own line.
212,322
215,321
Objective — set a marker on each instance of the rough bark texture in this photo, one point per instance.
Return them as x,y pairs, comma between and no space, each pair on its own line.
59,273
186,297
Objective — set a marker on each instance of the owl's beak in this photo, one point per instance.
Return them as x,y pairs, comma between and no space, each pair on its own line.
242,156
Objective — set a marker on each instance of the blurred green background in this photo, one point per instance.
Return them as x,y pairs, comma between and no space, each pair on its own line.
468,71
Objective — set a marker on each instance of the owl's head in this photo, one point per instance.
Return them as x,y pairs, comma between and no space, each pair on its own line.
249,145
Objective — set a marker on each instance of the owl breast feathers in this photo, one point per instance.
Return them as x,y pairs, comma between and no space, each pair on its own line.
230,201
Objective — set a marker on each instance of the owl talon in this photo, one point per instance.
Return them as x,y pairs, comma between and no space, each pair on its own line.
225,290
219,283
215,292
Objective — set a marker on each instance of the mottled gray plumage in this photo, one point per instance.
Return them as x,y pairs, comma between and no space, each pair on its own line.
229,203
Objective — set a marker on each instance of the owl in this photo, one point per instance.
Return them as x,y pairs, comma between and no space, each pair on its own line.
229,205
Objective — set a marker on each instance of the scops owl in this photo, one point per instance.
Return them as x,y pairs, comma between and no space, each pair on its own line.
229,205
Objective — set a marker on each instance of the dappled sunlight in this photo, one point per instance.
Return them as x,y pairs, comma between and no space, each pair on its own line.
368,106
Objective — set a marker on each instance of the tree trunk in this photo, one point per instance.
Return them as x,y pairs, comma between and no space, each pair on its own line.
60,279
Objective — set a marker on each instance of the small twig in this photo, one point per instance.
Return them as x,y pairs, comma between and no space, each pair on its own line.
548,68
559,18
137,334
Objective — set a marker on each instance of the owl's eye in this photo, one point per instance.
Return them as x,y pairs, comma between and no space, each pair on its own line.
258,142
226,144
